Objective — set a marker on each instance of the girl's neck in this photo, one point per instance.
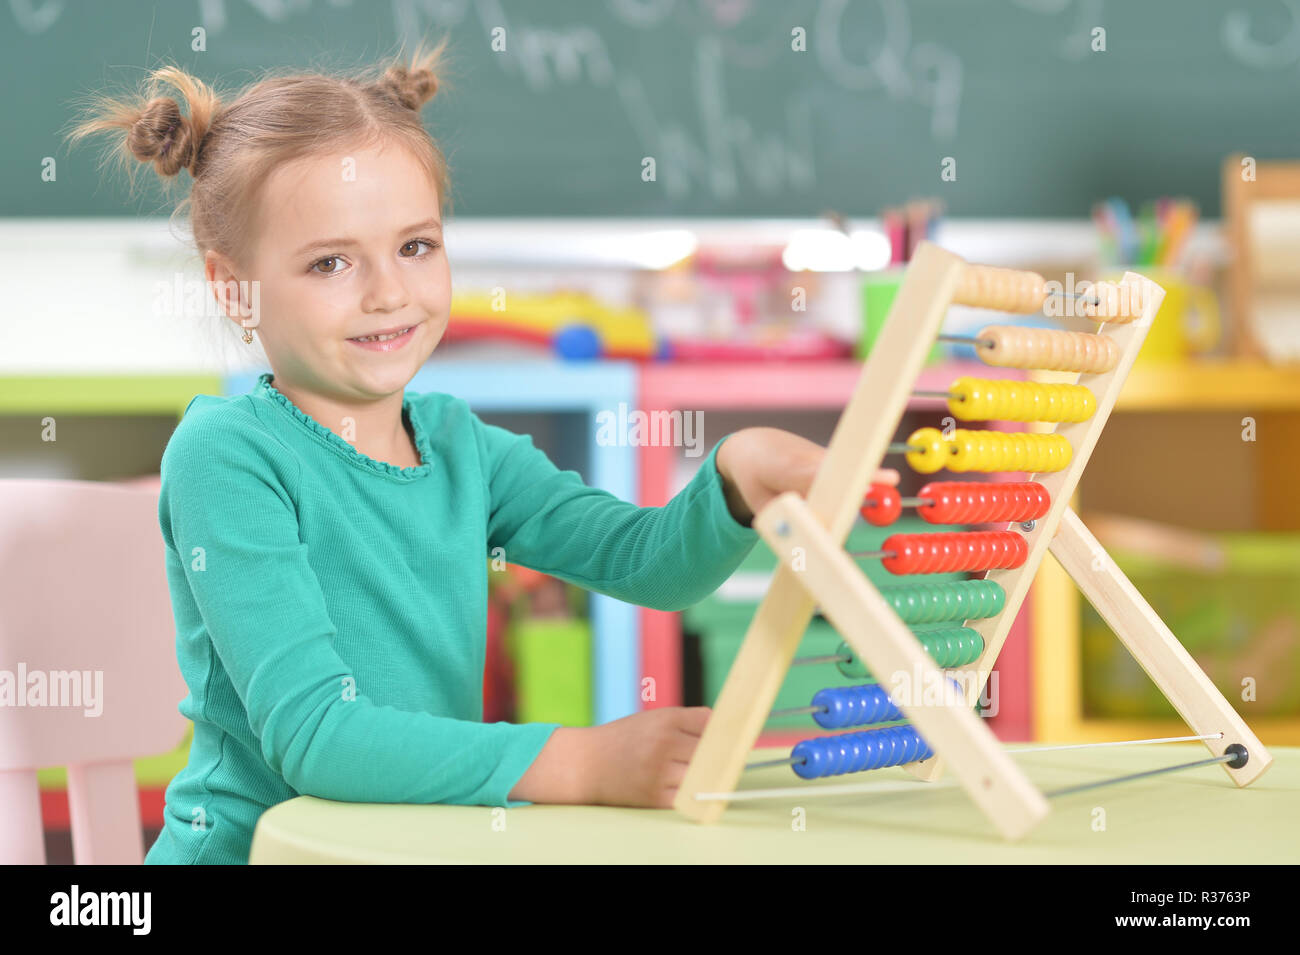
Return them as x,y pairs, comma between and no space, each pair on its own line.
376,429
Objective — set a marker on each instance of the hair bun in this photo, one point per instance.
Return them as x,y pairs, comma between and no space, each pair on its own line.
164,136
411,88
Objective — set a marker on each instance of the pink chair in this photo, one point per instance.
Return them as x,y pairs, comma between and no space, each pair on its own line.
83,592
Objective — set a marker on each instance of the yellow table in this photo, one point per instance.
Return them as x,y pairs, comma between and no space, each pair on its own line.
1192,816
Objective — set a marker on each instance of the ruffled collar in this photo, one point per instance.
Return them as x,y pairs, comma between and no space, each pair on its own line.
346,450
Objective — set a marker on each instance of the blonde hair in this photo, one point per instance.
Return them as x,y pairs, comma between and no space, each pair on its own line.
229,148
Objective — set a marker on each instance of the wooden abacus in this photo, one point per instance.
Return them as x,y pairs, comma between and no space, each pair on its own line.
916,672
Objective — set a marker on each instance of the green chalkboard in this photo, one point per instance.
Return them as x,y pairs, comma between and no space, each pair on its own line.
1038,122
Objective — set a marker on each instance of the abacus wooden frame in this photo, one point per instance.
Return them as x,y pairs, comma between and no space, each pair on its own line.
808,538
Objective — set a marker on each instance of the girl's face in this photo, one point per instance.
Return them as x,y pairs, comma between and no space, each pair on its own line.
350,245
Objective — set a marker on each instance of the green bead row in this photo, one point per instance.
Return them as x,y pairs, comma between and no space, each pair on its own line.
941,602
949,646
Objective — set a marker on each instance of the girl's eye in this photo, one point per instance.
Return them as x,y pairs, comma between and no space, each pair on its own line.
329,258
429,242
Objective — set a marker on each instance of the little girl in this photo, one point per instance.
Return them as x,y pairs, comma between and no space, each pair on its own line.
326,533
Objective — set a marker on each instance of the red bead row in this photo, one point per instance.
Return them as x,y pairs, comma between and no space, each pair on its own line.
968,502
945,553
961,502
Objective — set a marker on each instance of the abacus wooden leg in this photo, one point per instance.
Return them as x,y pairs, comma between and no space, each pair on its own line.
903,668
747,696
1155,647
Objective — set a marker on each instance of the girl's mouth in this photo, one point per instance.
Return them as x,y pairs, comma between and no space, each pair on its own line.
390,341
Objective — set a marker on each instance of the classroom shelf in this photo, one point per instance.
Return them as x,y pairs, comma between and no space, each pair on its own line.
1207,386
102,394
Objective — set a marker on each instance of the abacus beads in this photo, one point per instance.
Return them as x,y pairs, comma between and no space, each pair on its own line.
1013,290
840,706
959,502
948,552
1007,290
939,602
1000,451
1007,346
1109,302
964,502
984,399
928,451
882,505
947,646
854,752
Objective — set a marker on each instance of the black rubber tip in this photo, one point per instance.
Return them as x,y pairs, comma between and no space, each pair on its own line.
1240,756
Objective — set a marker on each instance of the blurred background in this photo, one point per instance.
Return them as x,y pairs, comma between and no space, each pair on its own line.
705,208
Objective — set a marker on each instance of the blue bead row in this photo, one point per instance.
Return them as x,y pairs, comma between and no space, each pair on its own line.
854,706
857,752
858,705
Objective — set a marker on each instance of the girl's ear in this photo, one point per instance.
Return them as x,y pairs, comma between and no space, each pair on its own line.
217,267
224,283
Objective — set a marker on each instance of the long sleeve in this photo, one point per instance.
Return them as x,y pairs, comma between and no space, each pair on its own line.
227,508
665,558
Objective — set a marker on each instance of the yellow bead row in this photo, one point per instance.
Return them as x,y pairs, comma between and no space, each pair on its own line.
986,451
987,399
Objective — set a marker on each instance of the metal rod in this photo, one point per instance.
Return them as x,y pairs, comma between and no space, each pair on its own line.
830,658
788,761
797,711
785,762
1226,757
804,791
1122,742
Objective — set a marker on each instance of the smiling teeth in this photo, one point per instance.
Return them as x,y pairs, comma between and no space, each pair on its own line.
383,338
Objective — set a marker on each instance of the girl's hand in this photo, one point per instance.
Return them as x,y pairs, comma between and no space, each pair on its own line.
640,760
757,464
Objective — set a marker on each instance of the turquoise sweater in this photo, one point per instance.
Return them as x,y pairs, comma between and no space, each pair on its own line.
331,609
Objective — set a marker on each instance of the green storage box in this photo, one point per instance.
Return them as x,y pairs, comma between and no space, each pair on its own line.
1240,622
878,292
552,659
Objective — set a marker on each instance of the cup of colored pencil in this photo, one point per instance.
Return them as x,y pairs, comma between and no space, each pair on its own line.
1154,244
1156,237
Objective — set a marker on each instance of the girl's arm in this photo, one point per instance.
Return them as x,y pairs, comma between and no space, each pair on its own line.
665,558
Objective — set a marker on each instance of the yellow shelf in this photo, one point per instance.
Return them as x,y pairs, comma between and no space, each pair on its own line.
1210,386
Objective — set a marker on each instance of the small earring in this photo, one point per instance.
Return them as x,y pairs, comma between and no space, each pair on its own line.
248,337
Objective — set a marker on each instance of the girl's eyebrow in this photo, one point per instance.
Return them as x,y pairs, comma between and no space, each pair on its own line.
430,224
